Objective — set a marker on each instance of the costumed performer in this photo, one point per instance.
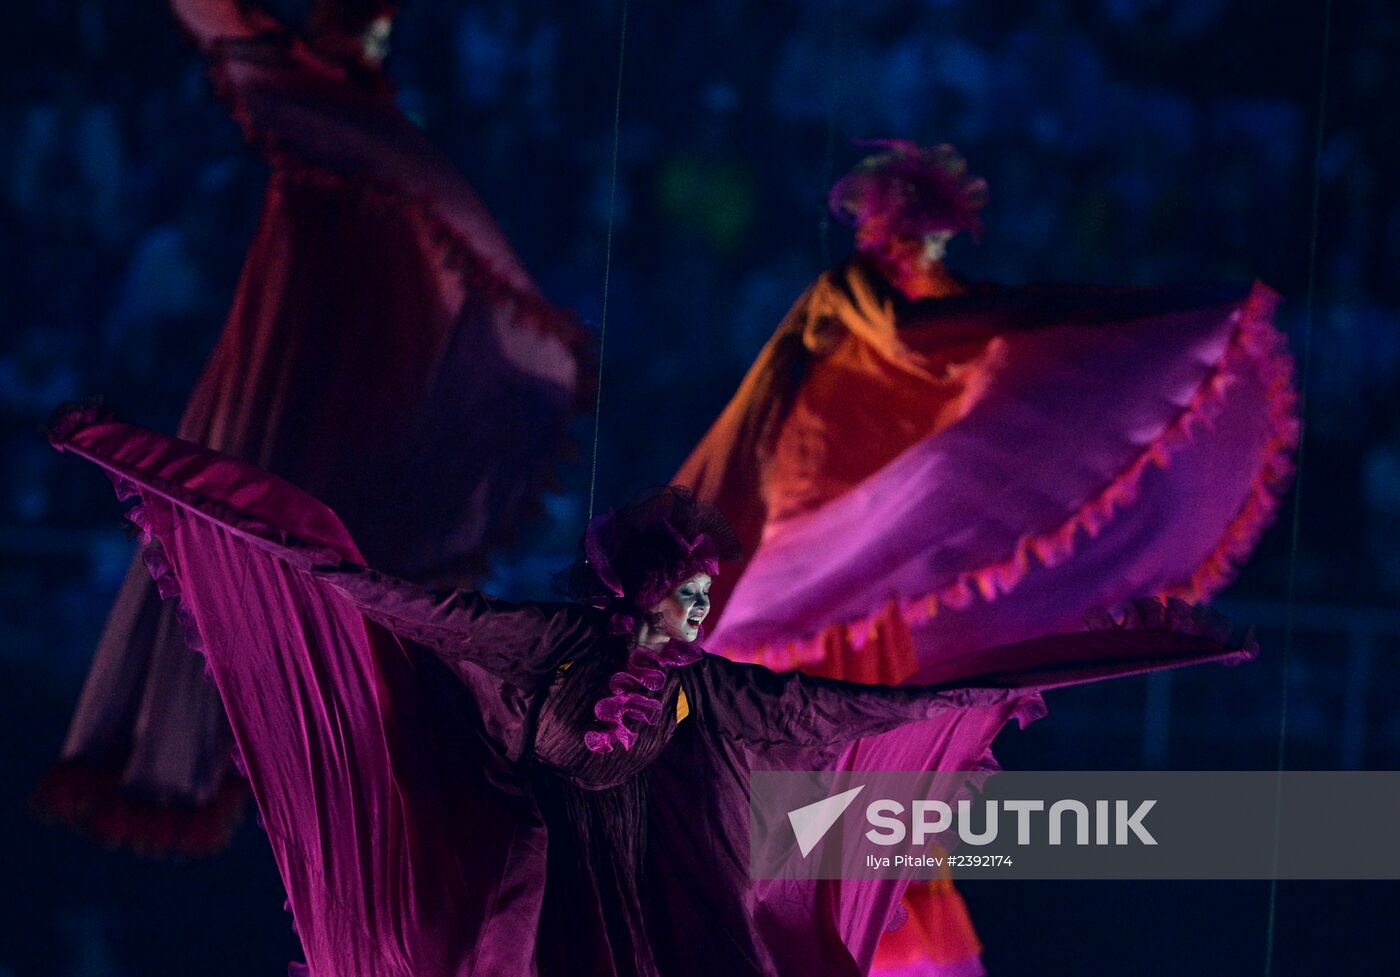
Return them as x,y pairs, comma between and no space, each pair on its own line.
385,350
919,468
452,784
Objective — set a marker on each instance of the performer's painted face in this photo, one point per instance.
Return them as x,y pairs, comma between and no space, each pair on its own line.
914,265
376,40
935,247
912,255
680,614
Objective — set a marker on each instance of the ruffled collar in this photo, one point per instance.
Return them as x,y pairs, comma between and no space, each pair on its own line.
633,700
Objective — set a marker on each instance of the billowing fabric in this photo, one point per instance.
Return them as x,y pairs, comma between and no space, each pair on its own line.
417,755
917,480
380,317
998,461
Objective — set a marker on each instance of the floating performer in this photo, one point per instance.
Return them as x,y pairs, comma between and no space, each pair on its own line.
380,316
920,468
452,784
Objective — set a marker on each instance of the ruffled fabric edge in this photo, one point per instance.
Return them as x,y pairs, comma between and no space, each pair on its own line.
69,421
95,802
151,528
1259,342
69,418
93,799
1175,615
1256,345
151,525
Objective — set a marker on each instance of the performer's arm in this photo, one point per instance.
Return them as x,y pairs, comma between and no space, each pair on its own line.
519,643
755,705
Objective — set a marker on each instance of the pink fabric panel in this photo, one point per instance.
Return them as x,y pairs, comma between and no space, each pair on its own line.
383,863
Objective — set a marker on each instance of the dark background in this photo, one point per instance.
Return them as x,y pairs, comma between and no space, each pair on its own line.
1125,142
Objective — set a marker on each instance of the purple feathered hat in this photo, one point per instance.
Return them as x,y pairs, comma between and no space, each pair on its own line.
630,559
909,191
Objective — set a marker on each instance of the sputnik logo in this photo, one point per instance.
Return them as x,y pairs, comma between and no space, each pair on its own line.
811,823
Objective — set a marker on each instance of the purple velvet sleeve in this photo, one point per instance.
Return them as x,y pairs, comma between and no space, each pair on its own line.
518,643
759,707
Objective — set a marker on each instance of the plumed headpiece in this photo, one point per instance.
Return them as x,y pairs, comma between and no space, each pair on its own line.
908,191
629,560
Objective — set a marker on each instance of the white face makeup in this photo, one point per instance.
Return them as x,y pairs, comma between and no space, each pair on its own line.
679,616
935,246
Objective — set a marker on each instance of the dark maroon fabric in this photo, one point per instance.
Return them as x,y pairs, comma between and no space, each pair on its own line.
417,755
385,351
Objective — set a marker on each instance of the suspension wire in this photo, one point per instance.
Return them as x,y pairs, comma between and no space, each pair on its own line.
829,150
607,261
1304,370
